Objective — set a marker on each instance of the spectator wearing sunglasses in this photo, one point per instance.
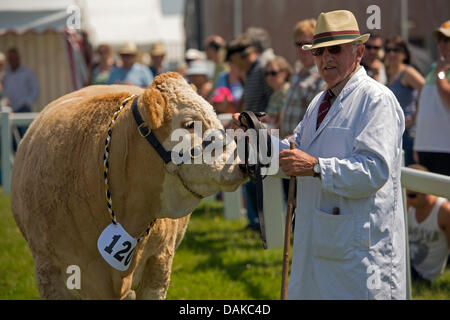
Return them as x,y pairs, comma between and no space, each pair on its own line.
433,119
428,233
215,53
278,72
305,84
406,83
349,237
371,60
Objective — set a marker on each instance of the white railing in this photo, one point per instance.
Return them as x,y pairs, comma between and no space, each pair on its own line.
9,122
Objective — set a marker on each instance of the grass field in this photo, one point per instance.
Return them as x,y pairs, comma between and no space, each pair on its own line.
217,259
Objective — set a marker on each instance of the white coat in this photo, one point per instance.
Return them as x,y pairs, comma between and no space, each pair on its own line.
360,253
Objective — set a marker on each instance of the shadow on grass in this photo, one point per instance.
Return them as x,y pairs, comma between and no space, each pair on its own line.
226,241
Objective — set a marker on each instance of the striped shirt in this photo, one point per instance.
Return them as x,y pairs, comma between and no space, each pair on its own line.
303,89
256,91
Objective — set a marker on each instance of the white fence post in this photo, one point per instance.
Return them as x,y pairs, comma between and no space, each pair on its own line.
274,211
6,150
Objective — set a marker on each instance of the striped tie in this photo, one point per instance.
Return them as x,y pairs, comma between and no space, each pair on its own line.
324,107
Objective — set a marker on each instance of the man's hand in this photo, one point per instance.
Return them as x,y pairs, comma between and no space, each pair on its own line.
297,163
236,124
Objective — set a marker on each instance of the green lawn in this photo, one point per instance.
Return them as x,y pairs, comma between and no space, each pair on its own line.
217,259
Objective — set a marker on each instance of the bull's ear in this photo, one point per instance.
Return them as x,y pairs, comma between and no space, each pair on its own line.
156,104
193,87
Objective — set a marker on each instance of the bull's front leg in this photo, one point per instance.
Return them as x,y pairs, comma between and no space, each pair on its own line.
156,275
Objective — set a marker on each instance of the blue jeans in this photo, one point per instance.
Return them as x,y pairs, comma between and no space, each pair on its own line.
408,143
21,130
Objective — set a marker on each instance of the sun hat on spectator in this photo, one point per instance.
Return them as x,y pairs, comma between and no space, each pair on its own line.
128,48
198,67
158,49
444,29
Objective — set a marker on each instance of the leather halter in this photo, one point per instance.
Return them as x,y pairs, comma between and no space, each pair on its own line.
165,155
254,170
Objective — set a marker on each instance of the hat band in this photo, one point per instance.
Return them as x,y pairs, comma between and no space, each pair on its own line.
336,35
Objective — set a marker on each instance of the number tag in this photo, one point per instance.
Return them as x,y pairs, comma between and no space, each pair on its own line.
116,246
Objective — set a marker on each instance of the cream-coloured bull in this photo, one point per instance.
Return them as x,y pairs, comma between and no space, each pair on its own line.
58,187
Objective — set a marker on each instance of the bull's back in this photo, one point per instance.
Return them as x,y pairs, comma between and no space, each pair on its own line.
61,153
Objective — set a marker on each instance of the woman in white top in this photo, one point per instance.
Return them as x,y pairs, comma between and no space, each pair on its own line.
432,141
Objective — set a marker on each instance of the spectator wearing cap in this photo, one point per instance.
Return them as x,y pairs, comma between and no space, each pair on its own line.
433,119
371,60
198,75
131,72
405,82
245,55
193,55
215,52
157,53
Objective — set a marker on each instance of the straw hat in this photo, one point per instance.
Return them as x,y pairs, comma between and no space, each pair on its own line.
128,48
335,27
158,49
444,29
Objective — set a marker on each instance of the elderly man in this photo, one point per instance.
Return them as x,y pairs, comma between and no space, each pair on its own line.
349,240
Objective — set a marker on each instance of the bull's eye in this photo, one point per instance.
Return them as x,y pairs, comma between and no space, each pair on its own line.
189,125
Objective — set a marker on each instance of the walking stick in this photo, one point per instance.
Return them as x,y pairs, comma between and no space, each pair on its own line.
287,233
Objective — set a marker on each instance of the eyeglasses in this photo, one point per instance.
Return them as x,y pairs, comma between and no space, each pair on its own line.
332,50
300,44
393,49
411,195
370,47
271,73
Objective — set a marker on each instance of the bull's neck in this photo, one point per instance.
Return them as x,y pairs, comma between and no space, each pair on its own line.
135,176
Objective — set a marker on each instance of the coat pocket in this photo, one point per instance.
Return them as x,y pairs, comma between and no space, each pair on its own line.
332,235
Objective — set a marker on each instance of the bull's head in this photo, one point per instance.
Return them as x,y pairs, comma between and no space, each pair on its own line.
203,158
